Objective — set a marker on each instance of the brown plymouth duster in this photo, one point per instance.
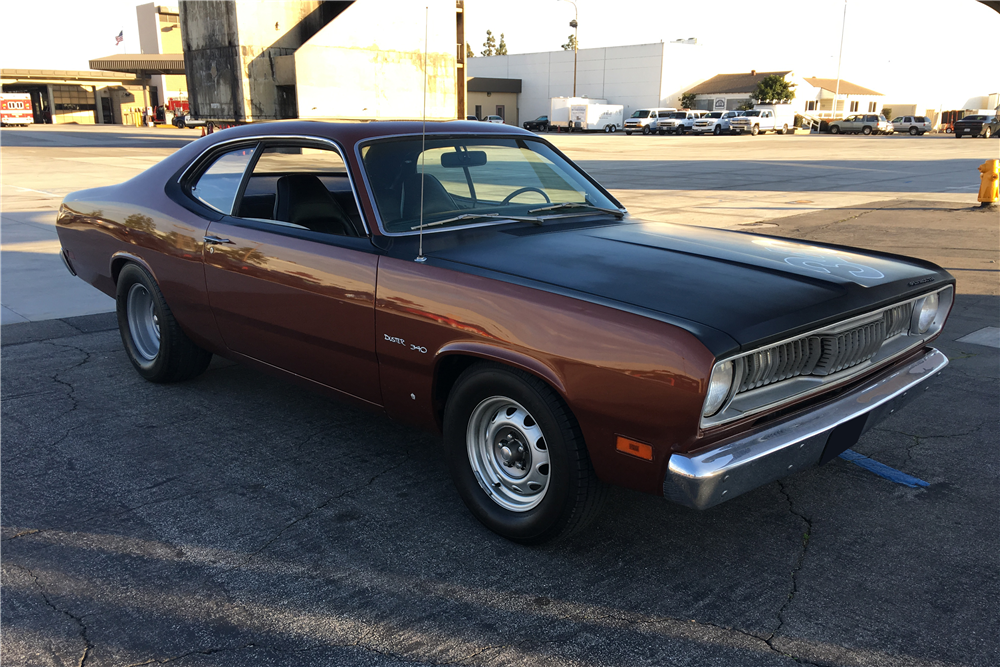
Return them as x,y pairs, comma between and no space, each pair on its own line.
475,282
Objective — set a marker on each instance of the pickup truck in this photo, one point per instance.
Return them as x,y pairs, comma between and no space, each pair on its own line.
678,122
756,121
715,122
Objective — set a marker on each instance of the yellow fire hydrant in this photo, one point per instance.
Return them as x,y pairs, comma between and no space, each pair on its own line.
990,174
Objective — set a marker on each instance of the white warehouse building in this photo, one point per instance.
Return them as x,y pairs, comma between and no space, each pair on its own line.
637,77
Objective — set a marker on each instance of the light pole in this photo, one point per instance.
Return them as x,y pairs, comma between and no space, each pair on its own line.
840,58
573,24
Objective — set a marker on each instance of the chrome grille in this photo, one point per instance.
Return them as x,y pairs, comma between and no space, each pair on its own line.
822,354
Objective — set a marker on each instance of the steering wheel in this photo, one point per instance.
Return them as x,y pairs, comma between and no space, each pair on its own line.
506,200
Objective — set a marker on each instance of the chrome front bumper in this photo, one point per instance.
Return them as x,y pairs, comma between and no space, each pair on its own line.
709,478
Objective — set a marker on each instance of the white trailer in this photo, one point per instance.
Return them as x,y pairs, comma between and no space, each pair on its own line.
585,114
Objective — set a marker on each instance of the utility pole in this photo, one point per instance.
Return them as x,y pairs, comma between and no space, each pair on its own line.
576,44
843,26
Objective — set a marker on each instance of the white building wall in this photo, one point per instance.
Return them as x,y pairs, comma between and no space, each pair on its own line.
368,64
637,76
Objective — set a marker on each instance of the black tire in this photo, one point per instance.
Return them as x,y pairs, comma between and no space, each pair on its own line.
754,131
627,133
175,357
679,131
614,128
866,130
784,129
834,129
717,130
914,131
645,129
958,135
572,495
987,133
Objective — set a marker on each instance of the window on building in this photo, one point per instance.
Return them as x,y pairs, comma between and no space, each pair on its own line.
811,105
872,106
854,106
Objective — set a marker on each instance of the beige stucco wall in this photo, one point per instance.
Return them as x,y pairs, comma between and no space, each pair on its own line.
368,63
489,104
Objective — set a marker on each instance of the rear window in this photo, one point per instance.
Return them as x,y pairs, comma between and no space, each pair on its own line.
218,185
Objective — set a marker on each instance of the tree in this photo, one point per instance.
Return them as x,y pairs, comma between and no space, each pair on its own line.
745,105
490,44
570,45
469,53
687,100
501,47
774,89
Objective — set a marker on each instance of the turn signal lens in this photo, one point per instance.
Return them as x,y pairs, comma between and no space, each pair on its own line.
640,449
718,388
928,309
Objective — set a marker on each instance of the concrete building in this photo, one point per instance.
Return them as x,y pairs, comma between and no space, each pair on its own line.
78,97
640,76
494,97
849,98
160,33
251,60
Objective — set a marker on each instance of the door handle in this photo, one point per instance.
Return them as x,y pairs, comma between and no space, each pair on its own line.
216,239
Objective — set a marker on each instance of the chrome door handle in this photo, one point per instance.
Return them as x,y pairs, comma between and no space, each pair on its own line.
216,239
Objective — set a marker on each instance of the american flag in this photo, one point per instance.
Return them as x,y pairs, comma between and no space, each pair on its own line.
120,38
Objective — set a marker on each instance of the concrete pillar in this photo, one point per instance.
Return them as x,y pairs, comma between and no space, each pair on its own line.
52,103
98,113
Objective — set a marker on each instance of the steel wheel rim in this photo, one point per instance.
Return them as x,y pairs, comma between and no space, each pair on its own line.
508,454
143,322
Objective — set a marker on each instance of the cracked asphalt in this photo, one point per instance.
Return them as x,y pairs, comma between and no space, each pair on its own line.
240,520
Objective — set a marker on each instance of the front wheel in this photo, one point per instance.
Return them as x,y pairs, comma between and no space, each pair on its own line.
987,133
717,131
755,130
834,129
627,133
645,129
517,456
153,339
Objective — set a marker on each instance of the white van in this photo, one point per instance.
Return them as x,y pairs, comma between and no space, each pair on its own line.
644,120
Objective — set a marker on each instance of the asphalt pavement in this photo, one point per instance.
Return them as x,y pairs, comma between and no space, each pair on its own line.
239,520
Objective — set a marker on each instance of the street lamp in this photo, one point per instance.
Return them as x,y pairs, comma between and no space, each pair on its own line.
573,24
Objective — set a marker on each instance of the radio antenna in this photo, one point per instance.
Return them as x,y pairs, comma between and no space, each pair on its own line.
423,152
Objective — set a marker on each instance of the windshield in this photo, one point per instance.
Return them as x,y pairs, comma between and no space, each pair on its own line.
714,114
492,178
679,114
641,113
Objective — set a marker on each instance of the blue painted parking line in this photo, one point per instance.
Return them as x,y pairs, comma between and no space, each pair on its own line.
882,470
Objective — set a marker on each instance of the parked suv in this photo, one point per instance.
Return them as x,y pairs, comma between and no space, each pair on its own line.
864,123
913,124
644,120
715,122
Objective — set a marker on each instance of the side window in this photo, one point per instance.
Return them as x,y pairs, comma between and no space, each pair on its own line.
302,187
219,184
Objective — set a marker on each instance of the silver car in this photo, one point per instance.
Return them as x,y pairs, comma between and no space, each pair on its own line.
913,124
865,123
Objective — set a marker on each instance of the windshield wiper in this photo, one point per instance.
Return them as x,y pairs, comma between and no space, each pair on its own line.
474,216
557,207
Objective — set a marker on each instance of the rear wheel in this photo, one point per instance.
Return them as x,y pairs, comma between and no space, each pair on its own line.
866,130
153,339
784,129
914,131
517,456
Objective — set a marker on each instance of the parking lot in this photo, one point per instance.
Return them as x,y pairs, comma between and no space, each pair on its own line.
239,520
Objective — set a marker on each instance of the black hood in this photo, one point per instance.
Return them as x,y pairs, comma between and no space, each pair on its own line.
754,288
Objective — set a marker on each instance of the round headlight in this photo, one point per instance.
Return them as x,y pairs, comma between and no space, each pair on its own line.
928,311
718,388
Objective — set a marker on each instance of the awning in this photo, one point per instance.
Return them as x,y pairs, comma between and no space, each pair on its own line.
141,63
